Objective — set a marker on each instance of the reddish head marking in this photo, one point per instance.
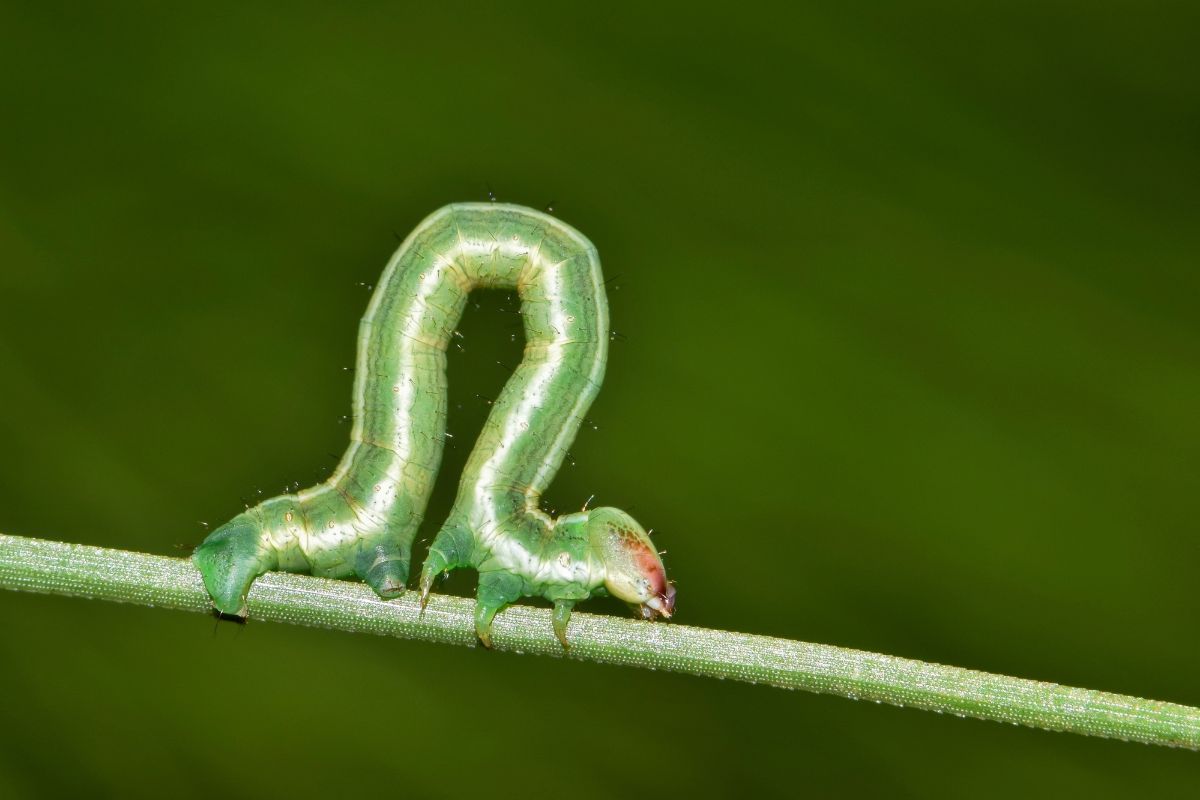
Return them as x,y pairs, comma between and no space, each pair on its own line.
650,566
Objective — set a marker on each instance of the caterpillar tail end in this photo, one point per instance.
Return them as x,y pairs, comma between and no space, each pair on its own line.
229,560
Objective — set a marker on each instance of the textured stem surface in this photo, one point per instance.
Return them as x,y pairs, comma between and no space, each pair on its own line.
37,565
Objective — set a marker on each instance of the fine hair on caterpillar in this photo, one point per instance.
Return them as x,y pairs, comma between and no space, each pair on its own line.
361,521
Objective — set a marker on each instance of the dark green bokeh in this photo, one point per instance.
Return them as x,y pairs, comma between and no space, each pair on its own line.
909,305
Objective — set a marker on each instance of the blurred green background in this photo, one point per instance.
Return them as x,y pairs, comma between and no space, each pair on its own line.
908,298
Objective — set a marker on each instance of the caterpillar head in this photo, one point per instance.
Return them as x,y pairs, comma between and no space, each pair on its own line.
633,572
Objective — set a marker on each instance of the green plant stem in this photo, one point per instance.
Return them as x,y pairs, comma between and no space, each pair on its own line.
37,565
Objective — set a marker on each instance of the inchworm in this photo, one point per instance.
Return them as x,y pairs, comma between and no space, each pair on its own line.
361,521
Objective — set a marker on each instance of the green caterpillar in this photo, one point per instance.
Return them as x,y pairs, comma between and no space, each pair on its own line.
362,520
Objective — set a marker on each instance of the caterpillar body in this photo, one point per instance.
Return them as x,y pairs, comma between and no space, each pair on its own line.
362,520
